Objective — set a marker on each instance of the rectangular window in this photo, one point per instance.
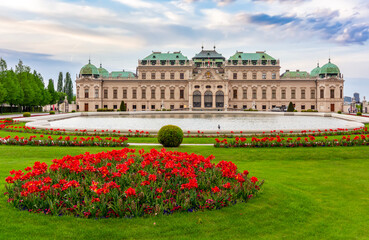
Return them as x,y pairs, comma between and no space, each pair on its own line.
274,94
181,76
302,93
312,107
264,94
86,93
235,106
105,106
293,94
105,93
274,76
171,107
162,93
171,93
153,107
152,75
124,93
171,76
321,93
143,93
143,107
115,93
143,75
244,75
96,106
134,107
254,96
96,93
235,93
153,93
115,106
162,76
312,94
340,93
181,106
234,75
332,93
253,75
244,93
181,94
264,107
264,76
302,107
244,106
134,93
283,94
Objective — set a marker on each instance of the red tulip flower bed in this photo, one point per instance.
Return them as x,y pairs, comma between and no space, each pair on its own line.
119,183
311,141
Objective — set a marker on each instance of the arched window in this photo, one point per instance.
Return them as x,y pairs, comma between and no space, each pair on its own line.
208,99
196,99
219,99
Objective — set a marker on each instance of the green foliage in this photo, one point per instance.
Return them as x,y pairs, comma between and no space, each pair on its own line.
170,136
358,114
105,110
123,107
60,82
26,114
250,110
339,112
52,112
53,94
73,111
9,119
290,107
68,87
309,110
3,93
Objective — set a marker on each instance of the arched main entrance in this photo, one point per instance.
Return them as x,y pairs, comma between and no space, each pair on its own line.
208,99
219,99
196,99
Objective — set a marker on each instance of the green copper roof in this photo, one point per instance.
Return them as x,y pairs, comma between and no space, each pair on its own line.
122,74
315,72
165,56
251,56
295,74
208,54
329,69
103,72
89,69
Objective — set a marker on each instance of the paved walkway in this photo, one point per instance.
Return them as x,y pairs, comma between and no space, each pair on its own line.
19,115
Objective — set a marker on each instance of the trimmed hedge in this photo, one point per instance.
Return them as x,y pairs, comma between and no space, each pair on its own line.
170,136
52,112
358,114
26,114
105,110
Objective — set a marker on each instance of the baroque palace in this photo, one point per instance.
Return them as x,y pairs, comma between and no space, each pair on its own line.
210,82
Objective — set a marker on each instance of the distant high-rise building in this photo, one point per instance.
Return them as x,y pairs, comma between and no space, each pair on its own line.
357,97
347,99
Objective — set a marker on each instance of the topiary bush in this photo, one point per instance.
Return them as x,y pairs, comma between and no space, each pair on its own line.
26,114
52,112
73,111
170,136
290,107
339,112
358,114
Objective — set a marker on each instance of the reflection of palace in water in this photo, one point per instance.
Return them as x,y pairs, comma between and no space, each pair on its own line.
210,82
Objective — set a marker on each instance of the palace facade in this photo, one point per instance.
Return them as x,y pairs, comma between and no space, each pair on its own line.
209,81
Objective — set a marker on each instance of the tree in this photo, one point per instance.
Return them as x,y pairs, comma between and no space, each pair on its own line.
53,94
68,87
290,108
60,82
122,107
3,93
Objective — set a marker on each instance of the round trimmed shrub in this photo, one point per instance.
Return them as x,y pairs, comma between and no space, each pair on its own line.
170,136
339,112
73,111
358,114
52,112
26,114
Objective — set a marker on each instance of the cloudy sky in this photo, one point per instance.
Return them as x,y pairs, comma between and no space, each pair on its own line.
61,35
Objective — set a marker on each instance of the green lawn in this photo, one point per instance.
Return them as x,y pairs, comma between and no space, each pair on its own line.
309,193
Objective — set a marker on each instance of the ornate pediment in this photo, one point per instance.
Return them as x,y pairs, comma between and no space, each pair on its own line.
208,74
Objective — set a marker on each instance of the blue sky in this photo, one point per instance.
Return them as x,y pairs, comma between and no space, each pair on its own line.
56,35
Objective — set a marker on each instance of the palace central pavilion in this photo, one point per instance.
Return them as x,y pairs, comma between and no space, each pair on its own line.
209,81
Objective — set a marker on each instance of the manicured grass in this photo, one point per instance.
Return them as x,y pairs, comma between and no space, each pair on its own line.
309,193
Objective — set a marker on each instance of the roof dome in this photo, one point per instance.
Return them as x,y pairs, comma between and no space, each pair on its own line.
329,69
89,69
315,72
102,71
